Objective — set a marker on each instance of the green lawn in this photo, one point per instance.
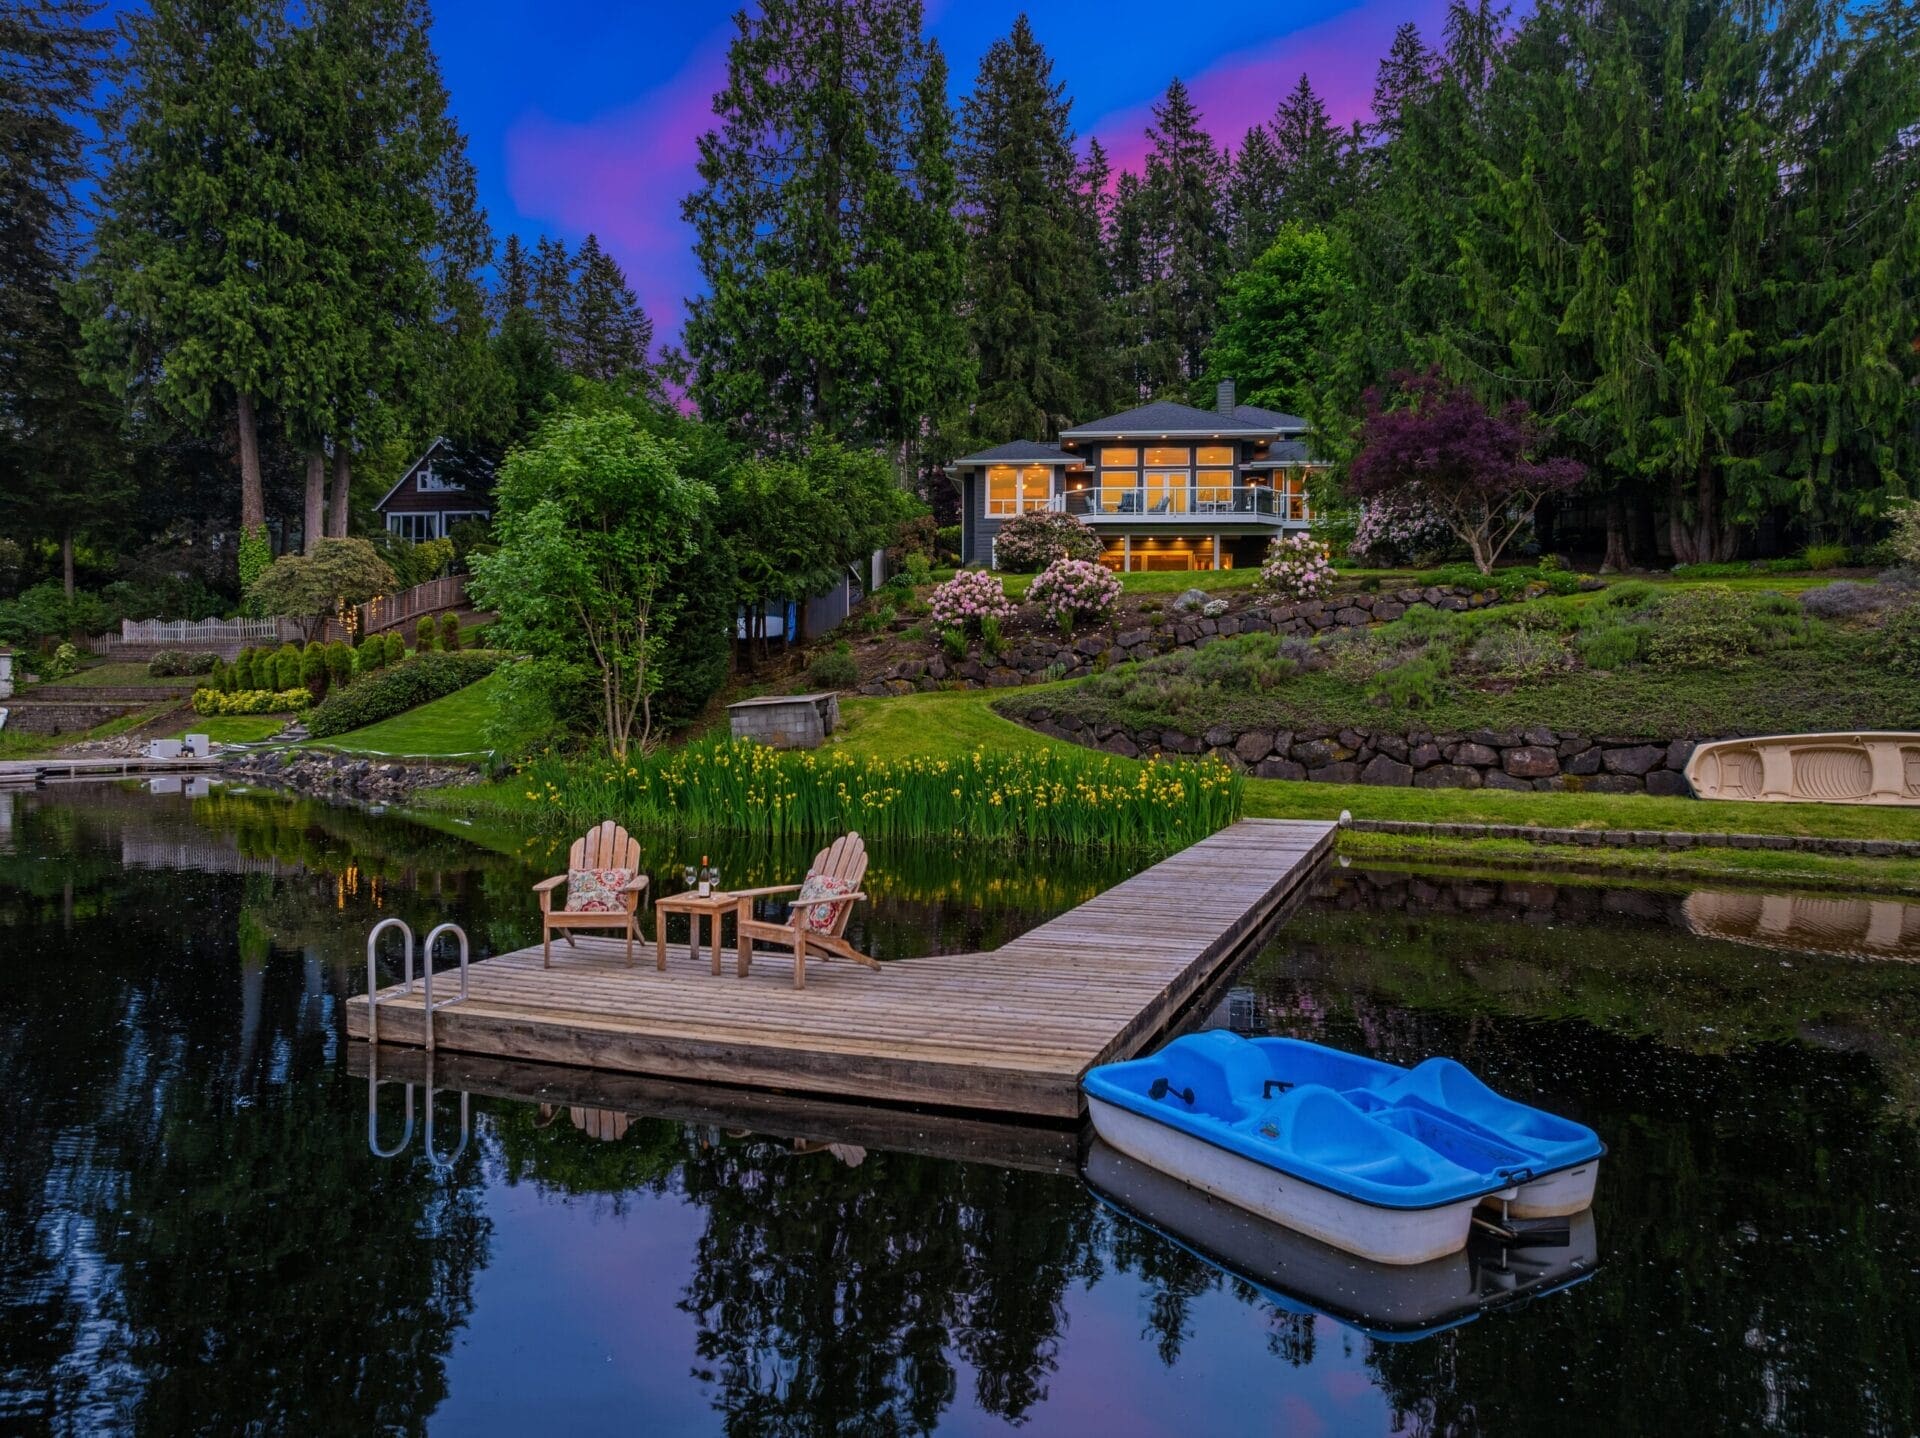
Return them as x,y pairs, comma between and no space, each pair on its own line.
116,672
951,722
443,727
237,728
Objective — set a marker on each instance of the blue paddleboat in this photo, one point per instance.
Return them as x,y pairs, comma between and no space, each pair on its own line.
1382,1161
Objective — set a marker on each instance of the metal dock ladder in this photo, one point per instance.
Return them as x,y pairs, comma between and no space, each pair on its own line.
426,975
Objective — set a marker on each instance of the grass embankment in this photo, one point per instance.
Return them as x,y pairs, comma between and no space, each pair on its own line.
1624,663
1031,794
448,727
118,673
17,744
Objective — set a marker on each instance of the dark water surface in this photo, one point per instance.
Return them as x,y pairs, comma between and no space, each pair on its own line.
195,1236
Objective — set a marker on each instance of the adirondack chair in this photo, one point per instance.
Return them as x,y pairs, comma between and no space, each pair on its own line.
605,846
844,859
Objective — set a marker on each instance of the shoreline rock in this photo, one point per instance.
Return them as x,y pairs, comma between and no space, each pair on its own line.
345,776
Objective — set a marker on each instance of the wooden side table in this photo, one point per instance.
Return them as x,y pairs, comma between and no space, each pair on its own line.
694,905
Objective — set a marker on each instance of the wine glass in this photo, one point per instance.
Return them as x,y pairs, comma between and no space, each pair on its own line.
690,876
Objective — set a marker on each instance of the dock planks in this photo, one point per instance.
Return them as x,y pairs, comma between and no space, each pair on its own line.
1007,1031
31,773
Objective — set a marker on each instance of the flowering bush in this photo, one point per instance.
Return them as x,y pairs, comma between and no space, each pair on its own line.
1399,527
1297,567
1075,589
250,701
1033,541
969,597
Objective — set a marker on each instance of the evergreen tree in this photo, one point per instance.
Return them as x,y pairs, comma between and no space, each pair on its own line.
1033,297
824,229
1255,201
183,291
516,284
1129,273
611,333
1099,337
1402,84
1186,241
552,290
59,437
1313,158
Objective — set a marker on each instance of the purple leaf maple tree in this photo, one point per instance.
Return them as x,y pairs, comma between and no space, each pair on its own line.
1433,444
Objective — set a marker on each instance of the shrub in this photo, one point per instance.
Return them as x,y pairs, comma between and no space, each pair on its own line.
1520,651
834,670
250,701
370,654
1614,647
1030,542
394,691
339,665
313,669
948,537
64,660
423,634
1899,644
285,665
178,664
242,675
991,639
1904,539
1824,556
971,596
396,646
1699,628
1297,567
450,633
916,569
1843,599
954,641
1075,590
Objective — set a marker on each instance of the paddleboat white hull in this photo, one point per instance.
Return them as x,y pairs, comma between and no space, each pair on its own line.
1385,1235
1558,1195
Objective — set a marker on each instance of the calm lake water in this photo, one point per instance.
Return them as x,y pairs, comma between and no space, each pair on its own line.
196,1236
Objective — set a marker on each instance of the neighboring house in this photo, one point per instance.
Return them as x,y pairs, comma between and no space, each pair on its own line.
426,502
1165,486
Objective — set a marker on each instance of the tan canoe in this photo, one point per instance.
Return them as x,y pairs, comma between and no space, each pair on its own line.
1810,769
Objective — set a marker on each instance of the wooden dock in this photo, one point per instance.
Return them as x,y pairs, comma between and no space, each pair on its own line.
1007,1031
30,773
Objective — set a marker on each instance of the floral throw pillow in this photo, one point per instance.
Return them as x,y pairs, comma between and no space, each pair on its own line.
597,891
821,886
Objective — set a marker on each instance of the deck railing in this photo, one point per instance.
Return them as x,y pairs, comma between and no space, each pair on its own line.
435,595
1201,505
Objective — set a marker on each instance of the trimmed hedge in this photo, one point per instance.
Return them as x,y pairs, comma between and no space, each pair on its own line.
387,692
250,701
181,664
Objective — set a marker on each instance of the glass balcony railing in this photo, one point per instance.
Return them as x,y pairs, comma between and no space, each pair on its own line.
1196,505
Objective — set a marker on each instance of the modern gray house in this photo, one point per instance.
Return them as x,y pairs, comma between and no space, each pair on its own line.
1165,486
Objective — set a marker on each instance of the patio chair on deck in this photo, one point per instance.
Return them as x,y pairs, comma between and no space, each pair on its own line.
817,915
604,888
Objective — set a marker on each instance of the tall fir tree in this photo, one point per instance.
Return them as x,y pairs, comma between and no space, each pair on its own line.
824,230
183,292
1313,158
1186,243
552,290
611,333
61,471
1129,275
1256,201
1034,306
516,284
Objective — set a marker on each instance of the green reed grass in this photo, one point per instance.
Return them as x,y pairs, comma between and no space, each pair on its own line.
1059,798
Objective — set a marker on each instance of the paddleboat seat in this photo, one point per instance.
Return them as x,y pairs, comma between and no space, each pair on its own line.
1318,1127
1440,1085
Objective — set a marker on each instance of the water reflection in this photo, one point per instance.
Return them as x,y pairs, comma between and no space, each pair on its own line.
196,1235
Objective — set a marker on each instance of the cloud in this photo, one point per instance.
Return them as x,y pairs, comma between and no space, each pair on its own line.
1340,55
622,176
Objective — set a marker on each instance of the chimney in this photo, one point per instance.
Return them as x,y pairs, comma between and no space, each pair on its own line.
1223,396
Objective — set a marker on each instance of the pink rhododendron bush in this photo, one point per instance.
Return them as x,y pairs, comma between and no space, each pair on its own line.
1030,543
1401,528
1073,591
1297,567
971,596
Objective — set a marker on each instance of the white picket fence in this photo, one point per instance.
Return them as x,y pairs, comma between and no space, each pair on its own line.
196,634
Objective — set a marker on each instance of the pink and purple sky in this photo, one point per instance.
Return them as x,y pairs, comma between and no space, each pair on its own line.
584,117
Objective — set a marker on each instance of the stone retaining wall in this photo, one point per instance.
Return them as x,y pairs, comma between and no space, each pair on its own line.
28,716
1038,658
1529,759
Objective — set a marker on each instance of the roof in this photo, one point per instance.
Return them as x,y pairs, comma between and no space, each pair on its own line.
1282,452
1020,451
1278,419
407,473
1165,418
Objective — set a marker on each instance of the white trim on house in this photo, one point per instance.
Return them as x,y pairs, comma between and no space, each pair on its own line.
408,473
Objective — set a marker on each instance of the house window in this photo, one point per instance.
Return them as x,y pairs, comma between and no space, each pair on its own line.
415,527
1119,491
451,517
1290,495
1169,457
1167,490
427,481
1112,458
1213,490
1018,491
1215,456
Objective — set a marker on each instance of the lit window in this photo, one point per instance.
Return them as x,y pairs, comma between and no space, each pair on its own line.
1003,489
1213,487
1169,457
1214,456
1112,458
1036,487
1167,491
1119,491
